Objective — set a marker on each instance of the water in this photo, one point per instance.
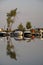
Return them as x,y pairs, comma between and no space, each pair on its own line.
21,52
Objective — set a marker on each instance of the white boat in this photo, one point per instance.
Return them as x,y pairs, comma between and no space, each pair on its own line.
41,32
2,34
18,35
27,35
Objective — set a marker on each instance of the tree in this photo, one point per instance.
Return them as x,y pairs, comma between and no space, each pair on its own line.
28,25
9,18
12,13
21,27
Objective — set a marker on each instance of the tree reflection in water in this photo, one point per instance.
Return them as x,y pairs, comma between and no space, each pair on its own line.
10,49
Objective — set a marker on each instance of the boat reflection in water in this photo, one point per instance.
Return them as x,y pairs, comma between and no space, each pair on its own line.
17,35
10,49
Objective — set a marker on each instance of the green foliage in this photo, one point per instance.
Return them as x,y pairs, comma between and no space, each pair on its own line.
28,25
13,13
9,20
10,15
21,27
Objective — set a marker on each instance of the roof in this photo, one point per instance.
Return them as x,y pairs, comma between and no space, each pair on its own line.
27,31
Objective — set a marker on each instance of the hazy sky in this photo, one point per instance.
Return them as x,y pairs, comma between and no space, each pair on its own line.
29,10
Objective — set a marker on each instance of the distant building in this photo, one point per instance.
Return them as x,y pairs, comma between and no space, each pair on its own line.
1,30
38,29
41,32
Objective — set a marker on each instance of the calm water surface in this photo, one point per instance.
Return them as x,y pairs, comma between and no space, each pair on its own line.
23,53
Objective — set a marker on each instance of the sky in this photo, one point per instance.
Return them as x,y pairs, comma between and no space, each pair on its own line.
29,10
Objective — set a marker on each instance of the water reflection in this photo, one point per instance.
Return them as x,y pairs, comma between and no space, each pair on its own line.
31,52
29,40
10,49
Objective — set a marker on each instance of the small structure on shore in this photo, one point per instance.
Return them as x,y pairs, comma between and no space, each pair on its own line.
41,32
